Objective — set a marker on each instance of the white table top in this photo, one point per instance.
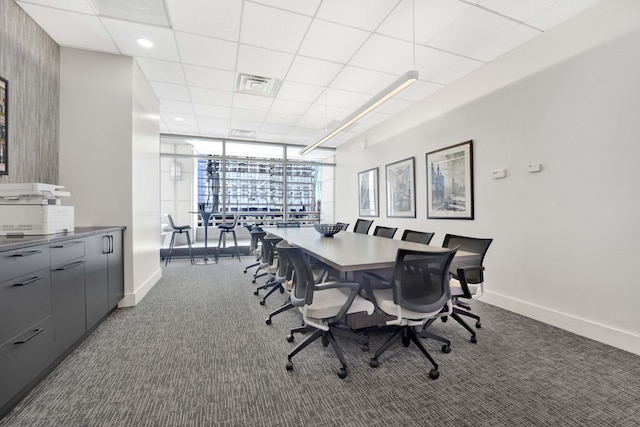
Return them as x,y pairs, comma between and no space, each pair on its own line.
348,251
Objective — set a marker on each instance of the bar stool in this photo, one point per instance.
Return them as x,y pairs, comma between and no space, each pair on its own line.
183,229
228,228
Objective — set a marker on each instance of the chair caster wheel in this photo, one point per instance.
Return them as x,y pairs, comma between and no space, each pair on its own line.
282,292
365,347
434,374
262,302
444,319
289,365
406,341
290,338
478,324
342,373
256,293
245,271
446,348
253,281
373,363
325,342
268,321
474,339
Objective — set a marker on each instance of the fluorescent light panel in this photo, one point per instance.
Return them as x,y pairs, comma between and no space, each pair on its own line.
404,81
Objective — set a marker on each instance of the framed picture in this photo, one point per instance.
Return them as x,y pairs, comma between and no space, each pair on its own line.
450,182
4,124
368,192
401,189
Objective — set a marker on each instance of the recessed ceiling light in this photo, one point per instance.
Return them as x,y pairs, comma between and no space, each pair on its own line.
145,43
179,119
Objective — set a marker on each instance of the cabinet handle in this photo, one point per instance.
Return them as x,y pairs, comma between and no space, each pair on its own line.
35,332
27,253
65,245
68,266
110,244
33,279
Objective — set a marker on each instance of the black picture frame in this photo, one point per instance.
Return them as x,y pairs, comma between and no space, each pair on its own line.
4,126
450,182
401,188
368,200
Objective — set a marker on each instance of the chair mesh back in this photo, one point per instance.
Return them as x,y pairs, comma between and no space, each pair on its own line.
344,225
422,279
362,226
268,248
255,237
388,232
417,236
303,282
469,244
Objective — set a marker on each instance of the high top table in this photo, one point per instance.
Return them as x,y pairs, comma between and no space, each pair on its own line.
351,253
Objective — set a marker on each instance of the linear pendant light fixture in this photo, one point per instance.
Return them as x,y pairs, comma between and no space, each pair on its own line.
404,81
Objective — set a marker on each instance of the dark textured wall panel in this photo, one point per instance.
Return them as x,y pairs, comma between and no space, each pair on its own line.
30,61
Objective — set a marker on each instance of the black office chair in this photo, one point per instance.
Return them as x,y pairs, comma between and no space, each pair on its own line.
467,278
344,225
254,246
418,292
268,262
183,229
323,306
381,231
417,236
362,226
226,228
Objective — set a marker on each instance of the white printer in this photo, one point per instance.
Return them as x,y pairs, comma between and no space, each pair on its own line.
34,208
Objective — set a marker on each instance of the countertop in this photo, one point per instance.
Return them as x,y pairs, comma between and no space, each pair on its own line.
8,243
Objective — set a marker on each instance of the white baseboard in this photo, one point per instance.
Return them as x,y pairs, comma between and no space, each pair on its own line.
131,299
587,328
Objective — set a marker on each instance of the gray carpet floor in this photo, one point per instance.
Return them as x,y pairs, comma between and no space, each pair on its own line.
197,352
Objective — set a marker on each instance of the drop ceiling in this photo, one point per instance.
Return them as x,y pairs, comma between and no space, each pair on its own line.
320,59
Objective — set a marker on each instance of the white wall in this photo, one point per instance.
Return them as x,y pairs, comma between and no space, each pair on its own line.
564,238
109,156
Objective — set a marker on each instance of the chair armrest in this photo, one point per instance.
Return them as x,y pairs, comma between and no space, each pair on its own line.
354,288
460,275
380,283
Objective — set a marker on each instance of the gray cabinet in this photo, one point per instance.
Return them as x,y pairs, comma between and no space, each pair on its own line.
53,292
104,275
67,294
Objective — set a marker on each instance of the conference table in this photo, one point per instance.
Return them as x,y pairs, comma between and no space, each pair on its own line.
351,253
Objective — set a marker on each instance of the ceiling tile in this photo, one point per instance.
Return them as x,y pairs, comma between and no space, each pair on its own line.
313,71
361,80
212,111
460,68
364,14
281,119
220,18
559,12
178,119
290,107
183,129
432,62
171,91
180,107
382,53
263,62
274,127
305,7
209,78
505,43
207,51
269,137
393,106
81,6
162,71
520,10
72,29
211,96
327,112
272,28
418,91
332,42
248,115
255,102
299,92
125,35
430,18
245,125
472,31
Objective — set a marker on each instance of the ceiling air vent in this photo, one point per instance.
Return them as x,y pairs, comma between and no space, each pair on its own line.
256,85
242,133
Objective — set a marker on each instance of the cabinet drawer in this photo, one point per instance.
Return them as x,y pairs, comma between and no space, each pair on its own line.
23,302
25,357
22,261
65,251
